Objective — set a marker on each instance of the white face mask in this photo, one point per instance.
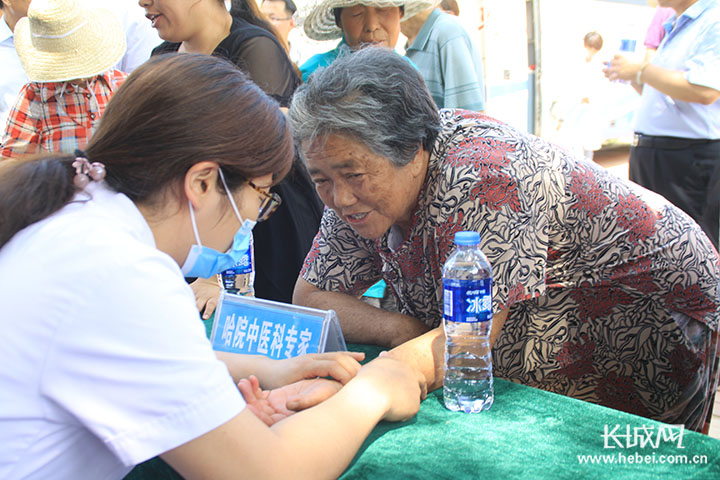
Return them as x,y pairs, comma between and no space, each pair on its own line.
204,262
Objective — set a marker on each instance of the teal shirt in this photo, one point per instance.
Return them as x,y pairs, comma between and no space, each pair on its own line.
321,60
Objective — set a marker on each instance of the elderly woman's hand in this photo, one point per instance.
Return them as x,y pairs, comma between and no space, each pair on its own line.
207,292
274,405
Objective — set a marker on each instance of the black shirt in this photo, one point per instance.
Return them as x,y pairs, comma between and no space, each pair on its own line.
281,242
258,53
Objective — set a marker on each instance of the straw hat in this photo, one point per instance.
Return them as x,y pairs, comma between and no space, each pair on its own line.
61,40
319,20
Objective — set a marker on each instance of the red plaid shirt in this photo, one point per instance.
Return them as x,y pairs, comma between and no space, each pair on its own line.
57,116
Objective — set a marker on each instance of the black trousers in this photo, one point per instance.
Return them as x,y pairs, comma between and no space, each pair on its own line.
685,172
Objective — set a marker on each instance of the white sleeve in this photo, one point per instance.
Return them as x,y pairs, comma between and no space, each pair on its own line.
131,361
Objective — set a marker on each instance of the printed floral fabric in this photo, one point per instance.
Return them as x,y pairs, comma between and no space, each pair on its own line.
612,291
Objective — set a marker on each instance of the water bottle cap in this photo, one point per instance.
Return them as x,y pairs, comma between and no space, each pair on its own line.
467,238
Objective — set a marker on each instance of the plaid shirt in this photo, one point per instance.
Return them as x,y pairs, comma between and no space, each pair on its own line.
57,116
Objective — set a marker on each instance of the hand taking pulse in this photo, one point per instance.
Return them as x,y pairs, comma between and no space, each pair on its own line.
398,387
340,366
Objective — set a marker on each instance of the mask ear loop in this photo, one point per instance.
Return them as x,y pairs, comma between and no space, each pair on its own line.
194,225
227,190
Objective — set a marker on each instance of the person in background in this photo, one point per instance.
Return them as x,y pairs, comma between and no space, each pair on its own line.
602,290
582,113
447,59
139,35
139,38
656,32
68,52
245,39
450,6
207,27
108,365
676,151
356,23
13,75
280,13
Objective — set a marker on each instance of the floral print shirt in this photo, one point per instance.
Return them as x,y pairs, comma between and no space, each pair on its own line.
591,268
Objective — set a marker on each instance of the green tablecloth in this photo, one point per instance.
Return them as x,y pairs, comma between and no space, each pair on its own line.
528,433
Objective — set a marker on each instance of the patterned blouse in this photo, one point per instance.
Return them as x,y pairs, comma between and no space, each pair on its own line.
57,116
612,291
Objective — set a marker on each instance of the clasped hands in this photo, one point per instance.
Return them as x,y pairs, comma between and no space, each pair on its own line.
396,380
301,382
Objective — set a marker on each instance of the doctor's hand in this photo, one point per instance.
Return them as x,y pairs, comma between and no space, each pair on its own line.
340,366
207,292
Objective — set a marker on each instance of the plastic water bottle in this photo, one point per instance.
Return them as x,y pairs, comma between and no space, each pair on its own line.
240,279
467,318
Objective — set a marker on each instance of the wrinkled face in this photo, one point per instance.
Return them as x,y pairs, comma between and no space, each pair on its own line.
175,20
365,190
371,25
279,16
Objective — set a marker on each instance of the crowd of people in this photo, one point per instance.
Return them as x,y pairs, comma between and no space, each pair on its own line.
145,145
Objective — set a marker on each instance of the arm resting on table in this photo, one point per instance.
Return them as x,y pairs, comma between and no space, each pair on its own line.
426,353
360,322
316,443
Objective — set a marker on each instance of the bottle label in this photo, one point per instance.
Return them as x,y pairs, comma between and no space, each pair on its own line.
244,266
467,301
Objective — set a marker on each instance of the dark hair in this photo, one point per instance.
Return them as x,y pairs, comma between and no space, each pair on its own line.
289,5
450,6
373,96
593,40
172,112
249,11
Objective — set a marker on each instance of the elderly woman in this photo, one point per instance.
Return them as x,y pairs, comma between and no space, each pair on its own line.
602,290
356,23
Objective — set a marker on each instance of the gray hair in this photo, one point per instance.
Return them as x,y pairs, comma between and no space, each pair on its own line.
373,96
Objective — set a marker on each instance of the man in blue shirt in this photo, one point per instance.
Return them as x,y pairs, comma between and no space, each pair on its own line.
447,59
677,143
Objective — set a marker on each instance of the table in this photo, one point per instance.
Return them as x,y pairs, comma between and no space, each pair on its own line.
528,433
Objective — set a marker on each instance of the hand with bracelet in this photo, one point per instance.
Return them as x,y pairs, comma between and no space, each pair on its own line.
620,68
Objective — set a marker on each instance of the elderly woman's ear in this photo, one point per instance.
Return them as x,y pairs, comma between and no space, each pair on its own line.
418,165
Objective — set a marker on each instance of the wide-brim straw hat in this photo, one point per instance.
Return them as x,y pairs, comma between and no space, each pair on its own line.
63,40
319,20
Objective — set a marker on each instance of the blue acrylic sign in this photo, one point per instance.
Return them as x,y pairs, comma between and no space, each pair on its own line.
274,329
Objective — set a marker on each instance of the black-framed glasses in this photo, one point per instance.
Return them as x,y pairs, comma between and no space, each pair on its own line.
279,19
270,202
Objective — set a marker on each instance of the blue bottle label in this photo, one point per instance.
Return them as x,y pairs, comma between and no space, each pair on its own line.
243,266
467,301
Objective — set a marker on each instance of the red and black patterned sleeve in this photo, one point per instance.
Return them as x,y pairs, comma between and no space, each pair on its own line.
339,259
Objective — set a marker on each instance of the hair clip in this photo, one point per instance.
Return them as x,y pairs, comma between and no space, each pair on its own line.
84,171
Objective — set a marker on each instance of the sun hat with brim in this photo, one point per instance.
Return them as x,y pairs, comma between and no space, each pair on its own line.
61,40
319,20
